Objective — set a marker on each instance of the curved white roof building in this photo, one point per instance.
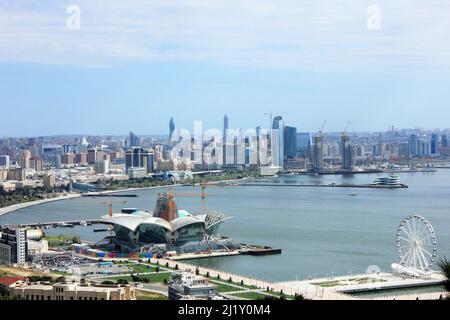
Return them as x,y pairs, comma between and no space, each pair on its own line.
141,227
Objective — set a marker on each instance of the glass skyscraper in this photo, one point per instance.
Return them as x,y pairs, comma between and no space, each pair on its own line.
277,142
304,143
290,142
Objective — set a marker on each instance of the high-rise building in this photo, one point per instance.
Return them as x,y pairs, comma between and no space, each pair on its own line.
419,147
304,144
290,142
13,246
133,140
158,153
139,158
55,160
49,180
81,158
224,139
92,155
434,144
84,145
17,174
171,128
36,163
71,148
276,142
317,154
346,152
424,148
24,160
101,166
413,145
444,142
68,159
4,161
148,161
113,155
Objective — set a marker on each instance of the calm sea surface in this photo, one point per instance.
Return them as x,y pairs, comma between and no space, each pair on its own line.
320,230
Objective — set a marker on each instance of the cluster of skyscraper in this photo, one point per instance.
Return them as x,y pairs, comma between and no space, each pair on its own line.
285,146
420,146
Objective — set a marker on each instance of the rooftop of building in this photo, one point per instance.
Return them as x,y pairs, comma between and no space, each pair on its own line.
7,280
70,286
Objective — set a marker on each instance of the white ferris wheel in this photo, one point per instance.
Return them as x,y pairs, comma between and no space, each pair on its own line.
416,243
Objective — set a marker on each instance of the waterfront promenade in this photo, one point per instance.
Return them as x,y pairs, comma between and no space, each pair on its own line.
308,291
333,288
23,205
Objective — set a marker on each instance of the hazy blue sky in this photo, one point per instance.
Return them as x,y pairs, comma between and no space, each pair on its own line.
134,64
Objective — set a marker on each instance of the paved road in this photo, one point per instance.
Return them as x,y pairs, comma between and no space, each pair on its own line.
161,289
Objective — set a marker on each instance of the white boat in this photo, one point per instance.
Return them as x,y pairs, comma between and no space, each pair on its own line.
65,225
392,180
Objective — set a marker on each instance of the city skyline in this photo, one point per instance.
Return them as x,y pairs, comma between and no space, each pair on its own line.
316,132
192,60
162,135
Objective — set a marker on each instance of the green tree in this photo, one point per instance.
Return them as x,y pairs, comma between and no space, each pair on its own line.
444,265
122,281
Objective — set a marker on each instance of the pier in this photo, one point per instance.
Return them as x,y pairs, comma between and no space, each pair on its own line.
246,249
55,224
109,195
362,285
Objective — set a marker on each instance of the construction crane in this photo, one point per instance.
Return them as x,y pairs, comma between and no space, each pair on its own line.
344,132
202,194
321,129
109,203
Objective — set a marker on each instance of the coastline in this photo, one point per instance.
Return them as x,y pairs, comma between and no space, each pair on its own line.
18,206
14,207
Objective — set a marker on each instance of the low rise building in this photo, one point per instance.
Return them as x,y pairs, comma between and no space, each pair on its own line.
7,281
137,172
70,291
3,174
269,170
8,186
188,286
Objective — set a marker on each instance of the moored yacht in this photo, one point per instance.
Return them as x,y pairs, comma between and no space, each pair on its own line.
392,180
